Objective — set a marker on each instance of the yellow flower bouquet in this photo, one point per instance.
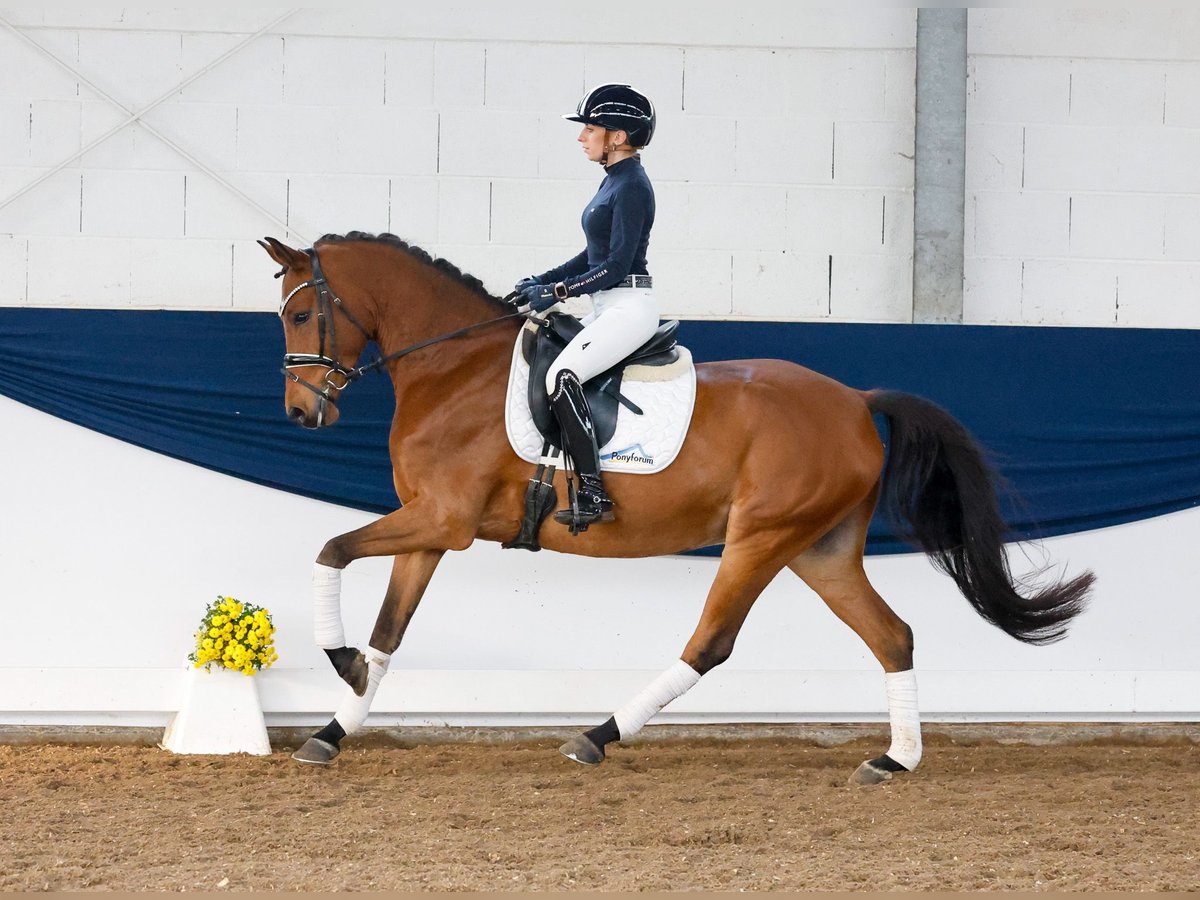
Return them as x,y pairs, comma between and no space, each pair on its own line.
235,635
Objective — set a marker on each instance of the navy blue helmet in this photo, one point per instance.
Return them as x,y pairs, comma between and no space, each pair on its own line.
617,107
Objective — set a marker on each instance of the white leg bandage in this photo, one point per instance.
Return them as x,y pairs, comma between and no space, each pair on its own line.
327,607
353,711
906,721
675,682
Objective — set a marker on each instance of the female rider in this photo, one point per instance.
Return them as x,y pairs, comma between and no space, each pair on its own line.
617,122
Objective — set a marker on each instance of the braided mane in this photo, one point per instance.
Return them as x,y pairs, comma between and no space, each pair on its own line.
442,265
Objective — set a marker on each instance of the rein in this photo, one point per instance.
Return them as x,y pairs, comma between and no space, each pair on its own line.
327,301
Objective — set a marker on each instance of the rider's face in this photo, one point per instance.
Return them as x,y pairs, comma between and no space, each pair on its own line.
593,139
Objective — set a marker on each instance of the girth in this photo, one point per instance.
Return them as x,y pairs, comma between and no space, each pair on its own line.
544,339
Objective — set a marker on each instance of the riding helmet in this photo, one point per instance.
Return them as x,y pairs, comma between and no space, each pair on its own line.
617,107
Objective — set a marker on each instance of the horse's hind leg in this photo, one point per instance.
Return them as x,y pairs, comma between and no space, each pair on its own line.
833,568
741,577
411,573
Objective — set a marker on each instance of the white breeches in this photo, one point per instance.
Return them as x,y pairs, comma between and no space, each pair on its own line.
624,319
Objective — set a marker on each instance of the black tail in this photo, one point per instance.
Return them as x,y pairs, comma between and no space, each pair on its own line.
940,492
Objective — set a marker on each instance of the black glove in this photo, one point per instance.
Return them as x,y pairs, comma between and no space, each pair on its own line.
520,286
539,297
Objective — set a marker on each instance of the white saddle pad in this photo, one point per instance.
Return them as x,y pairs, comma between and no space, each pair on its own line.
645,444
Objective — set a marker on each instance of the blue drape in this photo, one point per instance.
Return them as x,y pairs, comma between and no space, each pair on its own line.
1092,427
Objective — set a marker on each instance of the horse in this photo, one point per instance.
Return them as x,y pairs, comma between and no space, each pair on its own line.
782,465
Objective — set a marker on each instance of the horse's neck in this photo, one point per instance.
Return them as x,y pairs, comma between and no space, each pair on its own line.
435,307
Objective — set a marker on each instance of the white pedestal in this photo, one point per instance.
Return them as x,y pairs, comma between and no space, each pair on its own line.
220,713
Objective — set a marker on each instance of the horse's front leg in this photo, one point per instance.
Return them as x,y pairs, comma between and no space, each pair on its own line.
413,529
411,574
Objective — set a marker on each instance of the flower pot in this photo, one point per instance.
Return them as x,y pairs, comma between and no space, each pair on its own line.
220,713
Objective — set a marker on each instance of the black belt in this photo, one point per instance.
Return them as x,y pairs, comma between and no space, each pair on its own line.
635,281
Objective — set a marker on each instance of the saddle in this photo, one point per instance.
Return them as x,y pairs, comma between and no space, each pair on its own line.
543,341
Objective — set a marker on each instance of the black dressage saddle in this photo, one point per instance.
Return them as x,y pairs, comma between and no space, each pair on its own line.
541,347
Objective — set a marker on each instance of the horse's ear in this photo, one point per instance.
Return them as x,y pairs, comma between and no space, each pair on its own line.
283,254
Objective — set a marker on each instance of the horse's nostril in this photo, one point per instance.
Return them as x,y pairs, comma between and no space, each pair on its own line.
295,413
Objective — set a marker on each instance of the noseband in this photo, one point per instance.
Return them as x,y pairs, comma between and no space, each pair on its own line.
327,302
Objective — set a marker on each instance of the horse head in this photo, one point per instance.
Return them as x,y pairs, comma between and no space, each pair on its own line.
319,356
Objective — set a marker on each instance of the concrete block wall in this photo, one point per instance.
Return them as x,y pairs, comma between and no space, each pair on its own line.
782,162
1083,188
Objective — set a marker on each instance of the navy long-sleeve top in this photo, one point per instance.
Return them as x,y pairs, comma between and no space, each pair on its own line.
617,225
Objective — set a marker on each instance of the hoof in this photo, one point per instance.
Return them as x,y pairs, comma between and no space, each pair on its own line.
351,666
316,752
868,774
876,771
582,750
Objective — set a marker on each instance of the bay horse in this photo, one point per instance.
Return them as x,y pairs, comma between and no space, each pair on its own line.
782,465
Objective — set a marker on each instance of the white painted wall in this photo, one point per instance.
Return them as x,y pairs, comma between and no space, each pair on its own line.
1083,190
111,553
785,141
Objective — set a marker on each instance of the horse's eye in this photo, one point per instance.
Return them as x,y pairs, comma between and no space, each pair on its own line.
300,318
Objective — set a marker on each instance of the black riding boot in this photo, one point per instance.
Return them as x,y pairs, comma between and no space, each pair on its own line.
579,440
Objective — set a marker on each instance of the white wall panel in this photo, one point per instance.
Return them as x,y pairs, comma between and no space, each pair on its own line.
211,210
132,204
464,211
736,82
1144,32
873,153
388,141
1182,103
1181,238
413,212
288,139
697,148
488,143
134,68
1165,295
55,129
1018,89
54,264
253,287
1117,226
992,290
1103,100
1068,292
324,72
320,205
29,73
14,268
538,212
1104,91
1027,223
458,74
15,118
760,225
52,208
194,274
871,288
254,74
408,80
693,283
781,285
996,160
784,151
533,76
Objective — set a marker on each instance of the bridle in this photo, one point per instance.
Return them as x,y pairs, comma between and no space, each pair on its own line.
327,303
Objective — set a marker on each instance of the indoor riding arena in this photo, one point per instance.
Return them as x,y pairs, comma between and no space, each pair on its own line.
930,409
